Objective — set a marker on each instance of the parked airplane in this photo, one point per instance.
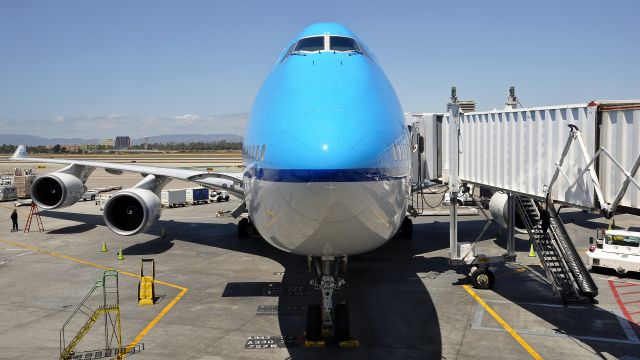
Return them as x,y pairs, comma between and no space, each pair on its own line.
327,160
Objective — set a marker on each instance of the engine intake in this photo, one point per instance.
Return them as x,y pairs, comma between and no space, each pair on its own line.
131,211
56,190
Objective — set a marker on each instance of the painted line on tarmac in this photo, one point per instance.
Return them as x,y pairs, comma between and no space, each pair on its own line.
141,334
504,324
23,254
624,324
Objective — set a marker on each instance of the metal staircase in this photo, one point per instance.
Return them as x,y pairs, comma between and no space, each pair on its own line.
110,304
563,267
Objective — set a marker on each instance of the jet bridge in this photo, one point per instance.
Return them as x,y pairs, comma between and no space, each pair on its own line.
580,155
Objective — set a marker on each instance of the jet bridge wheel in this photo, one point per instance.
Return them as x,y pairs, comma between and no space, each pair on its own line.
314,323
483,279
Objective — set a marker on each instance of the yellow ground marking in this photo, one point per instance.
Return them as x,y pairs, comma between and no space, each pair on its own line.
504,324
150,325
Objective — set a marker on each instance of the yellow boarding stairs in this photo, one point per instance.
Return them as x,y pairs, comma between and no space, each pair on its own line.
146,287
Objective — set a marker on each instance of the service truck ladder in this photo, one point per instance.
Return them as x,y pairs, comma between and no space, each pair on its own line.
563,267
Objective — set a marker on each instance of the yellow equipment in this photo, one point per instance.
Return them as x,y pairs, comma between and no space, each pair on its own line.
146,288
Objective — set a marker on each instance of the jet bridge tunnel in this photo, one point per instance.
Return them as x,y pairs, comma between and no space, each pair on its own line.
579,155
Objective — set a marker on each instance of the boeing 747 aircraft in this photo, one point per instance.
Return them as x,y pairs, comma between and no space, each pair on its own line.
327,161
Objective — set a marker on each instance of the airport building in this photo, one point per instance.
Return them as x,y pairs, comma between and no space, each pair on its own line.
122,142
106,143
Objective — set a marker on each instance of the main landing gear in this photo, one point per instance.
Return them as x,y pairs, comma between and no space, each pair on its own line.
246,229
324,321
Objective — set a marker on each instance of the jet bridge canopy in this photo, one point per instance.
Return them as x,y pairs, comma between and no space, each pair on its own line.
517,150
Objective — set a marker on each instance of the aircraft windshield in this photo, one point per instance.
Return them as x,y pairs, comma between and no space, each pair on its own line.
623,240
315,43
340,43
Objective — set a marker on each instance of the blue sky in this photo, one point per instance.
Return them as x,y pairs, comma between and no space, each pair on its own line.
101,68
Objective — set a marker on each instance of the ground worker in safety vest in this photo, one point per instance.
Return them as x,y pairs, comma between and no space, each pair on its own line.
14,220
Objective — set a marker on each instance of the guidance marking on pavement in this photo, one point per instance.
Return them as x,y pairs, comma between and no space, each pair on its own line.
141,334
504,324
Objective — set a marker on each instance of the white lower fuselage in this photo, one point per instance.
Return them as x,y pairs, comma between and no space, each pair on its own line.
327,218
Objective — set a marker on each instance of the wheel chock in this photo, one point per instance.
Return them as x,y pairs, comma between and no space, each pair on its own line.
315,344
351,343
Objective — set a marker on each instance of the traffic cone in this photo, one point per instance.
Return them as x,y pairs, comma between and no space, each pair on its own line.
532,252
104,246
120,256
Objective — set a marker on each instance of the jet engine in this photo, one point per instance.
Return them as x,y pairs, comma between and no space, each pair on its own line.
56,190
131,211
498,207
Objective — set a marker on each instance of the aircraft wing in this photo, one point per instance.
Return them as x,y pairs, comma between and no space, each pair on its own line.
232,182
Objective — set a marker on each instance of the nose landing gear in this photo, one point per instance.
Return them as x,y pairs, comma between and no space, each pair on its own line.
323,321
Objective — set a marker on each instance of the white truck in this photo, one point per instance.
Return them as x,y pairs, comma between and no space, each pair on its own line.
219,195
615,249
173,197
90,195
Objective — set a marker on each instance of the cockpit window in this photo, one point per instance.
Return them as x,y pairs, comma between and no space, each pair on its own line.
315,43
340,43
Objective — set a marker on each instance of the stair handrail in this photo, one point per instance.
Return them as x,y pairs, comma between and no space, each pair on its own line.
530,227
98,284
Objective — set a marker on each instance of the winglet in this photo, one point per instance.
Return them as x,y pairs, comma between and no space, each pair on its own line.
21,152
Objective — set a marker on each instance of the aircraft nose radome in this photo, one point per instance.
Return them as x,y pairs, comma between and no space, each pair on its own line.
335,139
324,130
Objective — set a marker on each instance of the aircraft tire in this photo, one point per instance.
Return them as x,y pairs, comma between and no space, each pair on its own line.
341,321
314,323
243,228
406,229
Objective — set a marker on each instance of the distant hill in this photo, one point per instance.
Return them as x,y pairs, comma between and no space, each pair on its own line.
188,138
31,140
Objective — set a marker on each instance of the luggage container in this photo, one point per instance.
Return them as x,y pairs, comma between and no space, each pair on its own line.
173,197
8,193
197,195
23,185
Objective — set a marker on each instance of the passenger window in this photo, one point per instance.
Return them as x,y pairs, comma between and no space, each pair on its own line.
315,43
340,43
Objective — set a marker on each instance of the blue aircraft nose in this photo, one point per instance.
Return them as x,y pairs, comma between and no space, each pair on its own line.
326,111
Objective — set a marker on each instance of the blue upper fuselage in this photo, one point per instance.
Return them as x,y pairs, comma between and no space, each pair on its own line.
326,113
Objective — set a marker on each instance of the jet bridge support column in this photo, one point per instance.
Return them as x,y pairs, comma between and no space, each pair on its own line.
511,229
454,119
464,253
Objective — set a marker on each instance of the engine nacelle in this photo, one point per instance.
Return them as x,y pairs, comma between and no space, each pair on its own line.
131,211
498,207
56,190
